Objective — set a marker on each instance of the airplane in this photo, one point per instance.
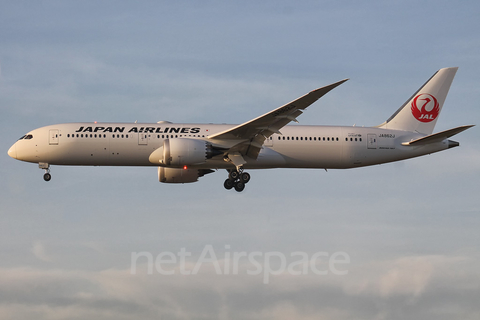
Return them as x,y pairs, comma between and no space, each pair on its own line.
184,152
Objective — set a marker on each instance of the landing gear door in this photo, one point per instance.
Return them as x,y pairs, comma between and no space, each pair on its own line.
53,137
371,141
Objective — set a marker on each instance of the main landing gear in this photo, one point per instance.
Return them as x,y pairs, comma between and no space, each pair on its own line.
236,179
47,176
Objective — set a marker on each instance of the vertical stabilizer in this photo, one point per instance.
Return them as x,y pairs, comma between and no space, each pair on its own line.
421,111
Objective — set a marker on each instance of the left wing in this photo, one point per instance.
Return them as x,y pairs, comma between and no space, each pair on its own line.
252,134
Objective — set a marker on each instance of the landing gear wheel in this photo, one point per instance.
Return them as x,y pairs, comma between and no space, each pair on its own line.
47,176
236,179
245,177
228,184
239,186
233,175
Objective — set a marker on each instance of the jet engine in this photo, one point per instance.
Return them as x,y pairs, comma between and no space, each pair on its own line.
174,175
183,152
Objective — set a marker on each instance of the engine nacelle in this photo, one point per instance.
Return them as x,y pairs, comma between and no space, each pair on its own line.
180,152
173,175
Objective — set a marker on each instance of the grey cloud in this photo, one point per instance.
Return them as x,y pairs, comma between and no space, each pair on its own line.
416,287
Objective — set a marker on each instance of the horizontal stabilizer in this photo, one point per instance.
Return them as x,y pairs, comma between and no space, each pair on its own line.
437,137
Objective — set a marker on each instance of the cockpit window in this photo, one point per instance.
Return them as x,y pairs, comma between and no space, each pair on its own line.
26,137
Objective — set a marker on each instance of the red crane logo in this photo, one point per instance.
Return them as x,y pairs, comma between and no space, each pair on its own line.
425,107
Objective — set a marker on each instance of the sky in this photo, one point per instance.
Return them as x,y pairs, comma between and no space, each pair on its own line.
394,241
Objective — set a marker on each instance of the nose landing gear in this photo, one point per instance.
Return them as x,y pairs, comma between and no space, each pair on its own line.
47,176
237,179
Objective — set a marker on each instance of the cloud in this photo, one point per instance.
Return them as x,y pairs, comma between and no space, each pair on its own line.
38,249
377,289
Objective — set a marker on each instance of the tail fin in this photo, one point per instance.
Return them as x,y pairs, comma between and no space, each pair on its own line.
421,111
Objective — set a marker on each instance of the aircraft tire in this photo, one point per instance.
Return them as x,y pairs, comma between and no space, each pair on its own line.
245,177
239,186
233,175
47,177
228,184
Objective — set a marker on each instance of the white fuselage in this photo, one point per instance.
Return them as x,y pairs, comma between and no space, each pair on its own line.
130,144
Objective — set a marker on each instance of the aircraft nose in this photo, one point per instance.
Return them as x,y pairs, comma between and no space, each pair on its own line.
12,152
